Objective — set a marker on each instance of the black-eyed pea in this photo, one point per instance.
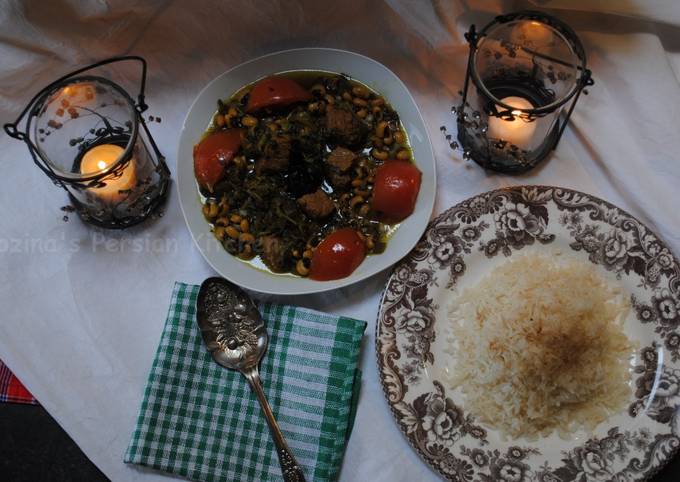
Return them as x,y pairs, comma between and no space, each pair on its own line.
219,120
235,218
380,129
232,112
222,221
296,253
377,102
364,209
246,252
362,113
400,137
375,109
404,155
379,154
213,210
359,102
347,96
307,254
388,140
246,238
360,91
369,243
356,200
244,225
219,232
249,121
232,232
329,98
357,182
301,269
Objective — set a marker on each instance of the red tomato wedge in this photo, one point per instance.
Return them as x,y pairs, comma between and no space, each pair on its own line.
338,255
275,92
212,155
395,189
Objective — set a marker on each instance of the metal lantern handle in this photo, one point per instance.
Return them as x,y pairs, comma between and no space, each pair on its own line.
13,131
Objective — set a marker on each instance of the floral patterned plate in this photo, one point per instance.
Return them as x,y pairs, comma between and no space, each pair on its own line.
467,241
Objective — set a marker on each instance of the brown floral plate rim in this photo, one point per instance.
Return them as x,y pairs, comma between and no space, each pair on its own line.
672,444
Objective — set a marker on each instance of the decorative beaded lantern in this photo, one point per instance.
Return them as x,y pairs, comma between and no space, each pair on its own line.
525,73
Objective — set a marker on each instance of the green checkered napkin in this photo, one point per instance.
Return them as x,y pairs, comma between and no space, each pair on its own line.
201,421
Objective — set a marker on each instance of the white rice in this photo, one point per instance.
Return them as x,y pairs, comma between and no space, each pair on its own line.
538,346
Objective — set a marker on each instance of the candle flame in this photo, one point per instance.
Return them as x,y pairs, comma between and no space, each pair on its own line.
101,164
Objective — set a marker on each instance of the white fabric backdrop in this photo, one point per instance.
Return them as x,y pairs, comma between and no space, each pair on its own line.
83,309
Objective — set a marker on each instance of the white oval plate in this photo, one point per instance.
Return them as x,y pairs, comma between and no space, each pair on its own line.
458,248
363,69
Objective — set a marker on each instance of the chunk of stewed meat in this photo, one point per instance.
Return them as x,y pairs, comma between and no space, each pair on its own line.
276,156
341,159
317,204
274,253
344,126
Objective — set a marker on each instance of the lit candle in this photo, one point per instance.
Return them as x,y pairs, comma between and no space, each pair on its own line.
516,131
101,157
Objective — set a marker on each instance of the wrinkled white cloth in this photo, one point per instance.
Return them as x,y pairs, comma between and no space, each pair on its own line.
83,309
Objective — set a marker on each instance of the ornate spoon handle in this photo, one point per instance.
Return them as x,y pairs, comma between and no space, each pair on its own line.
292,472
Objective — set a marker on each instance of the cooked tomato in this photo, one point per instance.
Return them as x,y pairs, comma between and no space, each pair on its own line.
395,189
212,155
274,92
338,255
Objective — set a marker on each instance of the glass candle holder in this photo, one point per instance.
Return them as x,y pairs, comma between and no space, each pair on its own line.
523,70
87,134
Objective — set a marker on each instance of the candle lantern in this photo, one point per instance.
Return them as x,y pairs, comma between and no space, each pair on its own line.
525,73
87,134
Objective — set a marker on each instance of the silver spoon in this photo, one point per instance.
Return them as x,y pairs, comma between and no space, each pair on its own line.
236,337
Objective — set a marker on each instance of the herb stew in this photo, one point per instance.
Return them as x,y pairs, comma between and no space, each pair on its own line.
306,171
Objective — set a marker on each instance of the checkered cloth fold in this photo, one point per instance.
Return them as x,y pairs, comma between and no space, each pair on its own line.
201,421
11,389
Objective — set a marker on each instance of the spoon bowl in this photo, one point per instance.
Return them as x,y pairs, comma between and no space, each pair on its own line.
231,325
